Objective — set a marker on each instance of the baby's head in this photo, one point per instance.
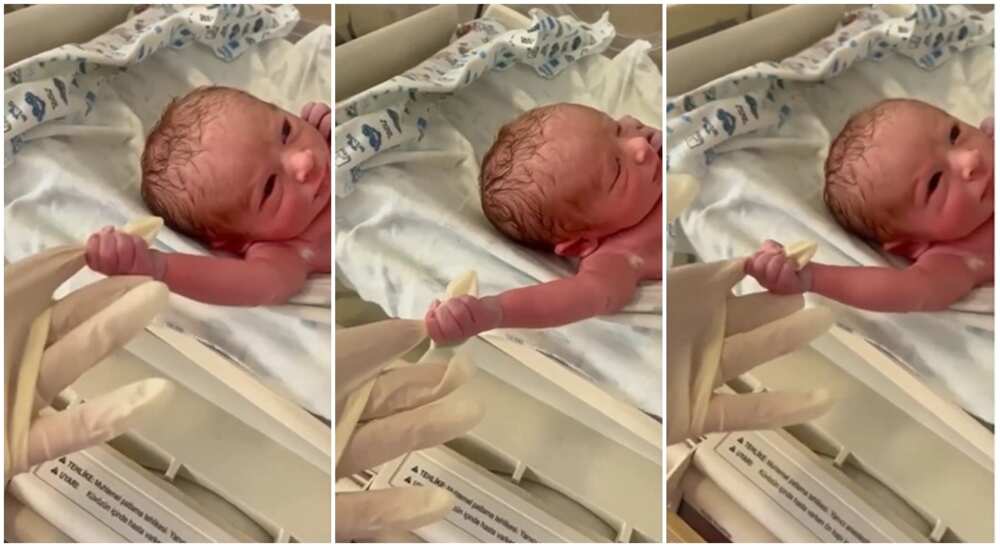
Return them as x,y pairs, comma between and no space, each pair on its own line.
561,177
229,169
904,173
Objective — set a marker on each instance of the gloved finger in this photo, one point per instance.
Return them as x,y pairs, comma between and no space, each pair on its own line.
94,338
145,227
681,191
361,515
744,351
82,304
30,283
711,278
381,440
411,386
467,283
96,421
750,311
800,253
363,351
769,410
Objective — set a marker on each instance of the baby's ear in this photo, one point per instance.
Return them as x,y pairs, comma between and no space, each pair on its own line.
220,243
907,249
578,247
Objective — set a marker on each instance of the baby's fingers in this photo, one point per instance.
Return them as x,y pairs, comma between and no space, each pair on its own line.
448,328
325,125
772,246
775,263
108,253
93,252
125,250
433,328
757,265
306,110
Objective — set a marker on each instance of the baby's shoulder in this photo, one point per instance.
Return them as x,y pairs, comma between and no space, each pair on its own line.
954,260
641,245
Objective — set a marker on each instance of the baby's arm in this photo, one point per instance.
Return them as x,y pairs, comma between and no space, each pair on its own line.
269,274
933,283
604,284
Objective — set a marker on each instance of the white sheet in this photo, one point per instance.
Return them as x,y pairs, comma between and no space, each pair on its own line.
75,173
413,221
768,183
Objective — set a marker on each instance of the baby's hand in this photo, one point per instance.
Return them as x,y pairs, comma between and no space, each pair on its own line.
116,253
776,272
318,116
987,126
460,318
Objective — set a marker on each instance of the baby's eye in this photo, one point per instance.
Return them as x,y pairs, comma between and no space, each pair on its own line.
618,130
933,184
268,189
286,129
619,173
955,132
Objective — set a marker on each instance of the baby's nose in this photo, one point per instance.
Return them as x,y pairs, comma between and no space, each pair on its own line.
639,149
967,163
299,164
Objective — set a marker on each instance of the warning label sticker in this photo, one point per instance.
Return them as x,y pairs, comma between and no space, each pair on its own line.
800,495
110,500
477,513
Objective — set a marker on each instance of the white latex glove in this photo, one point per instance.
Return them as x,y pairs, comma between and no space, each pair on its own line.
386,408
715,336
49,344
681,191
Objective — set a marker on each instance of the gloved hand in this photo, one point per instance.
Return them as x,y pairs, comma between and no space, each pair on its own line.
386,408
49,344
715,336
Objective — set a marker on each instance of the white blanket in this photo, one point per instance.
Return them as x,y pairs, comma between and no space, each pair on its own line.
761,168
411,219
77,162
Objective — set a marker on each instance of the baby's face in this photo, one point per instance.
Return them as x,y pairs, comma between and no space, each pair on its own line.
931,172
266,169
611,169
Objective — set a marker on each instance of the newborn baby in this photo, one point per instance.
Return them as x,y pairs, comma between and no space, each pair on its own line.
917,181
567,179
240,175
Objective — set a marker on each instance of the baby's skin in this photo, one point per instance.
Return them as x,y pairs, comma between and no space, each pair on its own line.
937,177
271,171
624,248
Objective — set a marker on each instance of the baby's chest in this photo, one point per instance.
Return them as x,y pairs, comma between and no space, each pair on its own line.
314,245
642,243
976,250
